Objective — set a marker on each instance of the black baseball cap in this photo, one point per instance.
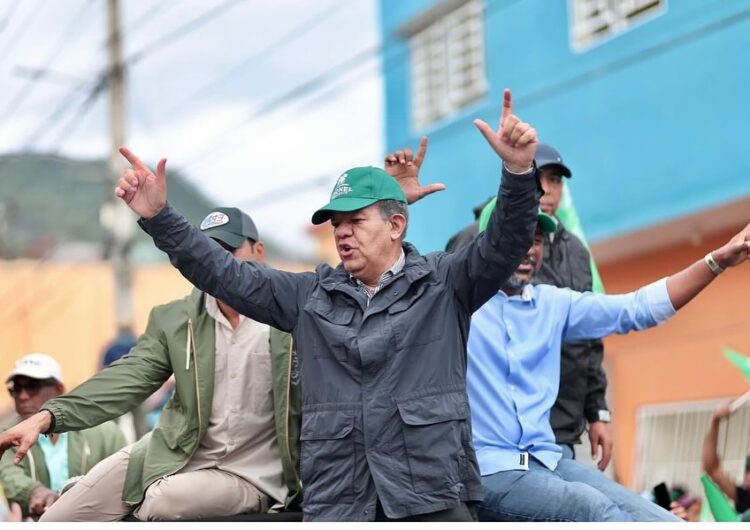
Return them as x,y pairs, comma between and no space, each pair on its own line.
230,226
546,155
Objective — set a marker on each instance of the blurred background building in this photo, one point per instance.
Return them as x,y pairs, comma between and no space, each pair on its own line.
645,101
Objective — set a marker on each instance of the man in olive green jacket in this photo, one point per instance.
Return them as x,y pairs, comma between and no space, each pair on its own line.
35,482
227,441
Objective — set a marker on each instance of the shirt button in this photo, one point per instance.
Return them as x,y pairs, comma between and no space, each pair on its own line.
513,388
233,376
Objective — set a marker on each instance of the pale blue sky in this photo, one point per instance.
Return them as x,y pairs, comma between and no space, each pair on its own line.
206,99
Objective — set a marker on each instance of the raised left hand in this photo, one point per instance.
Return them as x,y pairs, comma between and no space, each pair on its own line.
735,252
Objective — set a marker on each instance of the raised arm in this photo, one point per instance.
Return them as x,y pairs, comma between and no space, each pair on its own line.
107,395
479,269
711,461
687,283
262,293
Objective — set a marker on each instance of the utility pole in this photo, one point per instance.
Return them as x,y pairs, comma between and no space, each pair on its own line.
115,215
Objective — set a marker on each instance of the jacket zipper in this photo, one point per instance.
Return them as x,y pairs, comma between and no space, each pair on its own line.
191,343
32,465
288,414
85,456
190,350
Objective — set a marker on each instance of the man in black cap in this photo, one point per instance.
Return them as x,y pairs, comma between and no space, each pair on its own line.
226,442
583,383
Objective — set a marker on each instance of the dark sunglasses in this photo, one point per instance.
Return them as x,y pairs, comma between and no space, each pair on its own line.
32,386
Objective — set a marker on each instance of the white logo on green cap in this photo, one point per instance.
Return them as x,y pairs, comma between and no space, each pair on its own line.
342,188
214,219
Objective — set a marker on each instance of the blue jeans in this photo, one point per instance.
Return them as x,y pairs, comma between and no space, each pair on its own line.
572,492
569,451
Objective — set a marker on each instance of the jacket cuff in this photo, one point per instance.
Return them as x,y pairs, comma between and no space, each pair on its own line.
603,415
55,419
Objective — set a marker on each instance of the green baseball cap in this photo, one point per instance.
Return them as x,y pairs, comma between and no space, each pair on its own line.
358,188
547,223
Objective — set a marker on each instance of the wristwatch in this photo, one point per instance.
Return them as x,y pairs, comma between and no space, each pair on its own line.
605,416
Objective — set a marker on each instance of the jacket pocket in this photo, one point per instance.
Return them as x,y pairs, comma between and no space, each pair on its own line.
415,317
334,332
432,429
327,457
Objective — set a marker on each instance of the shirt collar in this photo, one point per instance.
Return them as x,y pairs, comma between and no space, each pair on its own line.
212,308
394,269
527,294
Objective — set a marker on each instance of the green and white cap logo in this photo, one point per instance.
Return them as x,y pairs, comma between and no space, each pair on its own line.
341,187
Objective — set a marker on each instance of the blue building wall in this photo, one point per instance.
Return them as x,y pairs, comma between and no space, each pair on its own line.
653,122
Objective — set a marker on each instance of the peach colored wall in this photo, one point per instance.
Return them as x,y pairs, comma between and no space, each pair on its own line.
682,360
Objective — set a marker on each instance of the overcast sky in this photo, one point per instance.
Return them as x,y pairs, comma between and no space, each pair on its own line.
222,88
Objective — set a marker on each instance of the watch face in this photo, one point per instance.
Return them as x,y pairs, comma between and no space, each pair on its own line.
605,416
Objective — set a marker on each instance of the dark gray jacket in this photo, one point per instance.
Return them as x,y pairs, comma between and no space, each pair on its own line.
385,413
583,382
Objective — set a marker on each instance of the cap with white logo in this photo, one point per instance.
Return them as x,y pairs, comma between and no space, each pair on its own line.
36,366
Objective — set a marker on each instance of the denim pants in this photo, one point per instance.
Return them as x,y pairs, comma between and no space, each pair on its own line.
573,492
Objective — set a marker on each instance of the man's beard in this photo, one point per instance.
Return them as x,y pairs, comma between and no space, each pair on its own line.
515,284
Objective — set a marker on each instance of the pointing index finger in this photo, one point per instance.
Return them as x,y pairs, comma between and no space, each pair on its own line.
507,106
134,160
421,151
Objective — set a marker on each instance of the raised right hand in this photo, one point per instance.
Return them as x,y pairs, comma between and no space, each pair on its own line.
24,435
142,190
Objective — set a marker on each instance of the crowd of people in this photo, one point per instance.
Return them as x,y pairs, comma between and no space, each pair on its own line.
451,386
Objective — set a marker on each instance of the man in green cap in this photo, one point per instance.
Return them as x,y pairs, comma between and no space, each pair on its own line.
381,338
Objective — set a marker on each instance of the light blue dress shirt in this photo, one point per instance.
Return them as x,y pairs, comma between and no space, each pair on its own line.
514,362
56,458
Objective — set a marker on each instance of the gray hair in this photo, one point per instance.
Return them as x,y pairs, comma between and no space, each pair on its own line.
391,207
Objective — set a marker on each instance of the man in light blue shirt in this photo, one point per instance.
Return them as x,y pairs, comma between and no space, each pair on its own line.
513,379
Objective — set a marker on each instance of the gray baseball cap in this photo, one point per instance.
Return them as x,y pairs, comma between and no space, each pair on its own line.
231,226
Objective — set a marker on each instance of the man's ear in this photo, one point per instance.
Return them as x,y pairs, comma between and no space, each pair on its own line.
398,226
259,250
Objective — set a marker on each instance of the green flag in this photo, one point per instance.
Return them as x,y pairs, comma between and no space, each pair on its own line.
720,506
566,213
742,362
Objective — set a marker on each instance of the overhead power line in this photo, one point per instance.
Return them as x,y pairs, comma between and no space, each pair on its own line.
61,44
244,65
287,97
22,27
94,88
8,15
181,31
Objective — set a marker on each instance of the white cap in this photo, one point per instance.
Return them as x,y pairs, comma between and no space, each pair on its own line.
36,366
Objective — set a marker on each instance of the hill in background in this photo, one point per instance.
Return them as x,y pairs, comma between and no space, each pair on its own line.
50,207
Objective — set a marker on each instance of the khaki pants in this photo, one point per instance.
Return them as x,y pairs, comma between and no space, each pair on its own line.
190,495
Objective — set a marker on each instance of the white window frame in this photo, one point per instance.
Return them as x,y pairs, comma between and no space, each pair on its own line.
447,62
670,442
595,21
